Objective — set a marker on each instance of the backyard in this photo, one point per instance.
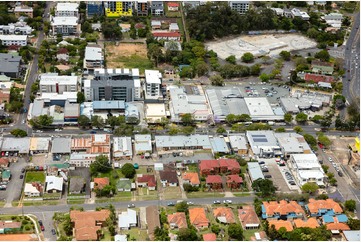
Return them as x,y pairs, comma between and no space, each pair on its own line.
35,176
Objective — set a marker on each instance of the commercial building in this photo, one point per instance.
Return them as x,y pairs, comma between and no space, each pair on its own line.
53,83
23,10
292,143
263,144
122,148
157,8
238,143
115,9
20,145
113,84
61,146
94,57
14,39
254,171
219,145
155,112
39,145
10,65
240,7
307,169
182,142
94,9
142,7
188,99
142,144
65,26
153,82
67,9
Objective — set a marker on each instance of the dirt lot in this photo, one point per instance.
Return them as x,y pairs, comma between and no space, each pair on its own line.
340,147
128,55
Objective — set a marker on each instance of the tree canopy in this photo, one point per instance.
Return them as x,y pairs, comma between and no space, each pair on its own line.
309,187
264,186
41,121
350,205
101,164
128,170
19,133
235,231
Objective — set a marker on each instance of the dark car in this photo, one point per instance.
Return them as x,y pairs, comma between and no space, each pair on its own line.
171,204
292,182
340,173
267,176
93,132
23,170
40,222
53,232
21,176
261,162
265,170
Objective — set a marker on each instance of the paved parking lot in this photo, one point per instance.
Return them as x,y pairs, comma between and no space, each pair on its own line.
283,170
14,187
277,177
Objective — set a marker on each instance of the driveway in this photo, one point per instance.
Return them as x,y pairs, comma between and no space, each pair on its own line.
277,177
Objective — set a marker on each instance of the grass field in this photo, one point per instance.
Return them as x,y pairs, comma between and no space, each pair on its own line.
204,194
172,193
137,234
35,176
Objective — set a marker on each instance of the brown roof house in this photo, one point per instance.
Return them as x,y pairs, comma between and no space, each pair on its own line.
168,178
88,224
224,215
248,217
209,237
152,220
282,210
234,181
317,208
146,181
62,55
100,183
214,182
4,162
177,220
191,178
281,223
309,223
198,218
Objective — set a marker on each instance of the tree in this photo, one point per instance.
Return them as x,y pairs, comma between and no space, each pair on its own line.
310,140
325,168
182,207
68,225
354,224
161,234
215,228
235,231
247,57
101,164
231,118
317,118
221,130
173,130
333,181
350,205
217,80
309,187
187,119
19,133
187,234
188,130
128,170
255,69
324,140
231,59
288,117
298,129
265,186
286,55
264,77
97,121
80,98
301,117
83,121
323,55
280,130
155,53
86,27
111,30
41,121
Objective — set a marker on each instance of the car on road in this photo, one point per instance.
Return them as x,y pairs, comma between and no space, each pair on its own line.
23,170
217,202
227,201
267,176
261,163
6,153
93,132
131,205
340,173
330,159
21,176
334,164
53,232
292,183
171,204
41,225
190,203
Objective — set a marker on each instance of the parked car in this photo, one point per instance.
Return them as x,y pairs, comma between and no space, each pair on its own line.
53,232
171,204
340,173
227,201
190,203
217,202
21,176
131,205
267,176
23,170
261,162
93,132
292,182
330,159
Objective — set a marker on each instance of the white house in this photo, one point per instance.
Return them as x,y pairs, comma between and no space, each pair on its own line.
127,219
307,168
53,184
31,190
122,148
13,39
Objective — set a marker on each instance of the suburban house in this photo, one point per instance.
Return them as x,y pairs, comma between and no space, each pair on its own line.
208,167
321,67
156,24
168,178
122,148
173,6
76,185
334,227
281,223
248,217
146,181
282,210
234,181
309,223
175,36
127,219
23,10
33,189
198,218
62,55
224,215
9,227
54,184
191,178
125,185
317,208
177,220
88,223
309,77
152,220
214,182
101,182
4,162
209,237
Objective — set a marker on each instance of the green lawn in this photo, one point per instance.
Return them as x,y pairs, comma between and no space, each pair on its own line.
40,203
113,175
106,235
136,61
192,167
247,233
204,194
137,234
35,176
75,201
241,194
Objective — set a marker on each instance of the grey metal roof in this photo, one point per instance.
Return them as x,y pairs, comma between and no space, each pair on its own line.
292,142
238,142
61,145
219,145
76,184
108,105
183,141
37,108
20,145
142,142
9,63
255,171
352,235
71,109
261,139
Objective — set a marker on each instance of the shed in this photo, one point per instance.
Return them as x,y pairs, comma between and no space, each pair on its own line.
158,166
255,171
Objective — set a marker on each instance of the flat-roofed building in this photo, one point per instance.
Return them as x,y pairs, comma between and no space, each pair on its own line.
153,82
307,169
67,9
254,171
65,26
14,39
263,143
23,10
53,83
122,148
94,57
155,112
292,143
142,7
181,142
142,143
240,7
238,143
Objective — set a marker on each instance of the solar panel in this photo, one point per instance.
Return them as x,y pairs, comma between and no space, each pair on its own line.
258,135
260,140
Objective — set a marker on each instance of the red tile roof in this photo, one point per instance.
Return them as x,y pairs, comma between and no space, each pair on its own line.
283,207
179,219
63,51
210,237
198,217
229,163
281,223
337,226
166,34
18,237
224,212
208,165
100,183
173,4
318,78
310,223
234,178
315,205
192,177
247,215
213,179
4,161
150,179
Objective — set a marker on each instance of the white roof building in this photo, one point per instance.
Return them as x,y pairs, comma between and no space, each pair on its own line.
31,191
67,9
260,109
64,21
14,39
182,142
238,142
40,143
142,143
307,168
93,53
120,237
292,143
127,219
122,147
153,81
263,143
54,183
154,112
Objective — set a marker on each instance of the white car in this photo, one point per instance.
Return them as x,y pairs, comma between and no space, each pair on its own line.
190,203
227,201
330,159
334,164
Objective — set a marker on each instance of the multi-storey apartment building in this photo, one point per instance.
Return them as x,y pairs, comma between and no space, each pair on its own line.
93,57
67,10
239,6
118,9
52,83
94,8
142,8
157,8
153,81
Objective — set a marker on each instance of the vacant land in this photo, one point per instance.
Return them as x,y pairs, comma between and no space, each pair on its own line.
128,55
35,176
